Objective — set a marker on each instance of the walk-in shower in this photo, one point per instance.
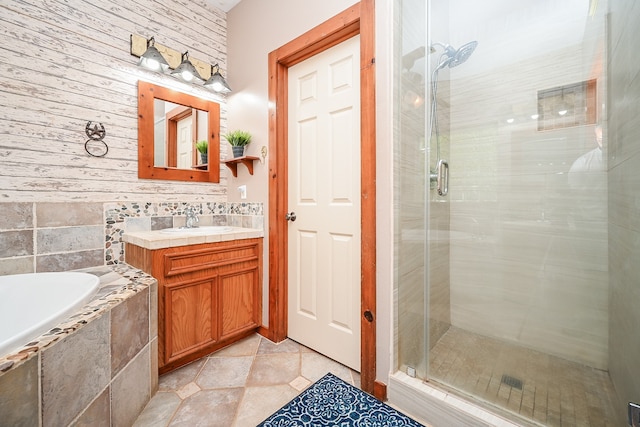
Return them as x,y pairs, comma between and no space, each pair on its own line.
503,287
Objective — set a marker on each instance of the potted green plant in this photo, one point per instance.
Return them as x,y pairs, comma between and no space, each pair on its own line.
238,140
203,147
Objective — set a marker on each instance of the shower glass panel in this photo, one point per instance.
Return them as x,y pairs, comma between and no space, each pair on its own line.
502,283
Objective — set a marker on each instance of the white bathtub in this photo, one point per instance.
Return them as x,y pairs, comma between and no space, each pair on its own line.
31,304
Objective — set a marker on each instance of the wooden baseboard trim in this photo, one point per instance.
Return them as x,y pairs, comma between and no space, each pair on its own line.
380,391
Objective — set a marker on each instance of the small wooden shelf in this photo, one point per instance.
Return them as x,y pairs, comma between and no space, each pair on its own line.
245,160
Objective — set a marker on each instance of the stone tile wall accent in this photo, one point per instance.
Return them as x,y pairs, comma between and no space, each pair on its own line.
87,373
133,216
39,237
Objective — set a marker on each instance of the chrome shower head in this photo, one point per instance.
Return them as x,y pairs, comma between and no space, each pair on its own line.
454,57
463,53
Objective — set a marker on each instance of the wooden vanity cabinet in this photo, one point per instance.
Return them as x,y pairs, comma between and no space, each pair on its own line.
209,295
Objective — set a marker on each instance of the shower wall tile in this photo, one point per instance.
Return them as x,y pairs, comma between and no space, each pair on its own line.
16,215
527,231
68,214
624,201
624,295
624,181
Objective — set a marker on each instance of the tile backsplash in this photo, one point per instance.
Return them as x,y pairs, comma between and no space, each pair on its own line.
39,237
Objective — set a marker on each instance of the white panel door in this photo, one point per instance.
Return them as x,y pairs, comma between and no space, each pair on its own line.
324,193
185,143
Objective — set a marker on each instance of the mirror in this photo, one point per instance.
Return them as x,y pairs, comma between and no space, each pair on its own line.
170,123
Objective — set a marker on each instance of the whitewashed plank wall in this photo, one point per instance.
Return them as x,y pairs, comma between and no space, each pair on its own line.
67,62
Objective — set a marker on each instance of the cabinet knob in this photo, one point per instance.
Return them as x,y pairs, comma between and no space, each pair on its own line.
291,216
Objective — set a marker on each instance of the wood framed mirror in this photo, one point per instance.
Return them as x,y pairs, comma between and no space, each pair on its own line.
170,123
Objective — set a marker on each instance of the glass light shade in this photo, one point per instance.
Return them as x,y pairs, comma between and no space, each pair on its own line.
186,71
152,59
217,83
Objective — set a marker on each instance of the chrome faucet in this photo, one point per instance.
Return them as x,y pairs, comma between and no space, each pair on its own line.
192,217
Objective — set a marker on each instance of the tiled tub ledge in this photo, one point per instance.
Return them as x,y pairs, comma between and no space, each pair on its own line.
98,367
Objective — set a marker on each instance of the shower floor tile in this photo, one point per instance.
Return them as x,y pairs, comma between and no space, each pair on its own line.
538,387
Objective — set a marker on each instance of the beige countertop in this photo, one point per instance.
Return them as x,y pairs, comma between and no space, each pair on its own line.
159,240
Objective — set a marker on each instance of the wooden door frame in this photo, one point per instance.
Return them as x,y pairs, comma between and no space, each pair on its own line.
171,119
357,19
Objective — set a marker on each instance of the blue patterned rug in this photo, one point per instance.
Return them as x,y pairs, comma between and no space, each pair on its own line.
333,402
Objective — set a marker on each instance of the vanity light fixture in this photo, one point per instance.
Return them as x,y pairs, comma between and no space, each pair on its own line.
152,59
186,71
216,82
162,59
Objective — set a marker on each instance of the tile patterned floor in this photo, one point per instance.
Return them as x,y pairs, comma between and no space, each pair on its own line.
553,391
238,386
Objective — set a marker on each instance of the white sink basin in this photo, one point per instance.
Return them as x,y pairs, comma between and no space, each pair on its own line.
208,229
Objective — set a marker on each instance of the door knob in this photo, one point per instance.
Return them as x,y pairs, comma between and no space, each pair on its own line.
290,216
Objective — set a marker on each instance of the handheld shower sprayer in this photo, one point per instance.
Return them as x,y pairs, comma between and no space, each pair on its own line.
449,58
453,57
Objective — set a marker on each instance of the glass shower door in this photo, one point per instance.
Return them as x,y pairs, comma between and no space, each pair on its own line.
502,281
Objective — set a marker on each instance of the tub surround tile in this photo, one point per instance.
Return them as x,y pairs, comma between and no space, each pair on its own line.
16,216
16,243
69,261
129,330
68,214
98,414
17,265
130,390
153,364
153,312
67,239
74,380
72,376
19,404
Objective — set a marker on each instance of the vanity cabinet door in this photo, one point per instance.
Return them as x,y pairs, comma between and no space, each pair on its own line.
239,305
209,296
191,322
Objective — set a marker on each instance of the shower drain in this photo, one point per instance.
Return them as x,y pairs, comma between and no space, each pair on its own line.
512,381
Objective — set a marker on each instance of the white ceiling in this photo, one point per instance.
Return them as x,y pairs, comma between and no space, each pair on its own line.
225,5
